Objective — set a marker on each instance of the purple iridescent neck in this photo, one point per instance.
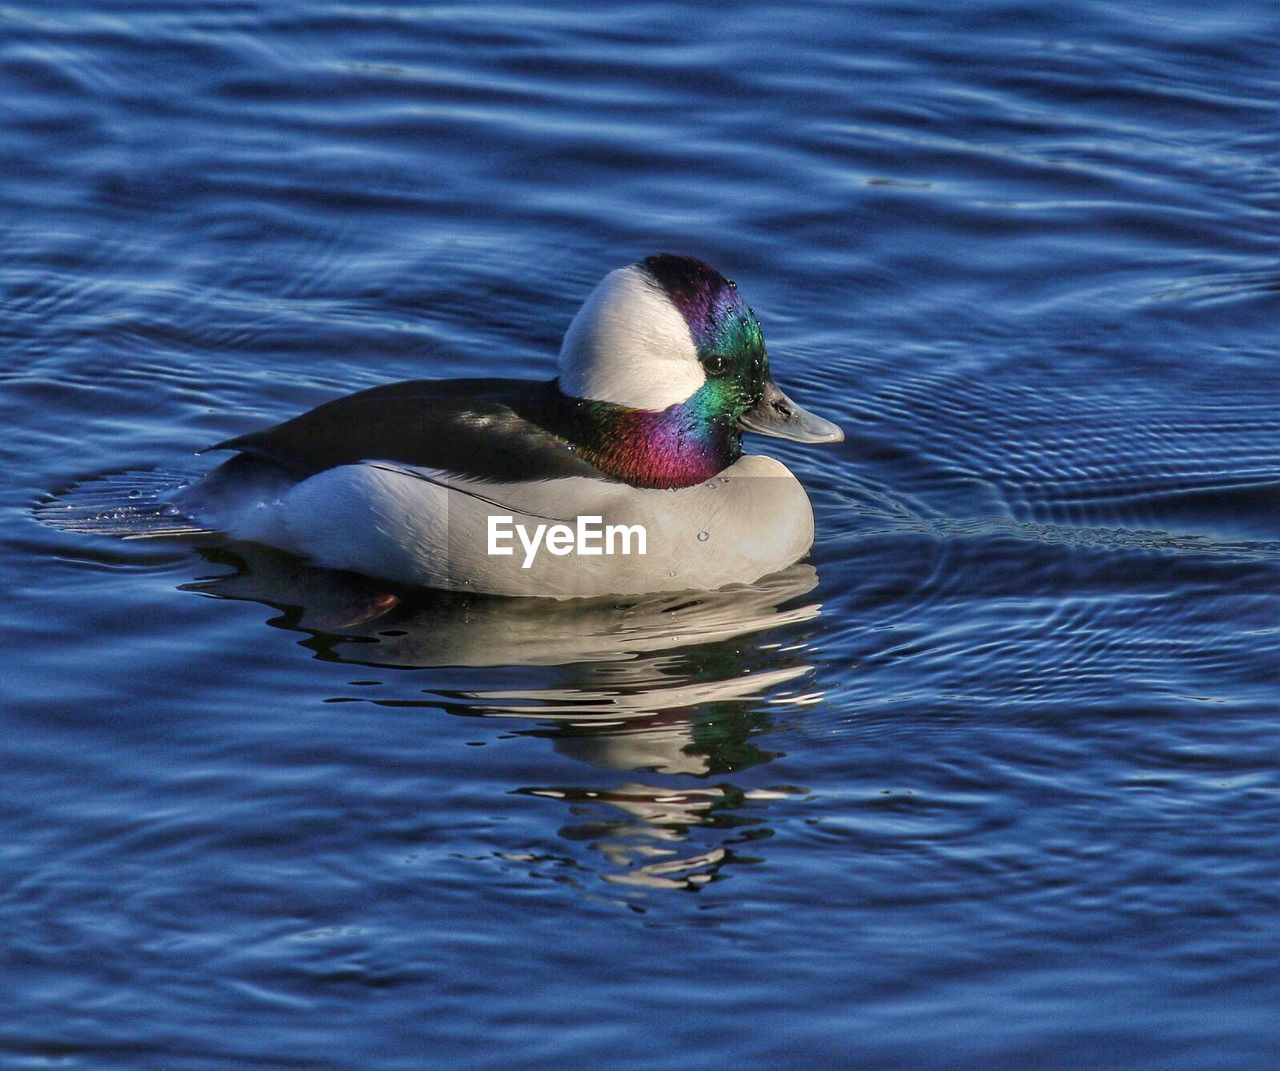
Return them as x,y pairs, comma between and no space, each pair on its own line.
682,445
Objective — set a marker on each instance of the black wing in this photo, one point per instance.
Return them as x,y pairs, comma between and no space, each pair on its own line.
483,428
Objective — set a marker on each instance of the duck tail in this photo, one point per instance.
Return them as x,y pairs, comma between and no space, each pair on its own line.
127,505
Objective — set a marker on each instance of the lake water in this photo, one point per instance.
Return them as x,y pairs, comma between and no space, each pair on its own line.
990,783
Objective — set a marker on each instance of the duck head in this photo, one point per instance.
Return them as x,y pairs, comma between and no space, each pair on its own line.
667,366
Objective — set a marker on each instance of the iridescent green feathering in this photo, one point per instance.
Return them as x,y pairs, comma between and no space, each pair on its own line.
694,439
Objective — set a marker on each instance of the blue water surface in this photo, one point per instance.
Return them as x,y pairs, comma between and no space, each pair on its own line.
990,783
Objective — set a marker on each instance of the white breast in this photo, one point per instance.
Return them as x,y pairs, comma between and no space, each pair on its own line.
423,526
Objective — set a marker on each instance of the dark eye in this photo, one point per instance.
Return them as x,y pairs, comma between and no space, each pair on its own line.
716,364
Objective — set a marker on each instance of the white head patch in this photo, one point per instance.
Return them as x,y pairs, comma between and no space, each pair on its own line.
630,345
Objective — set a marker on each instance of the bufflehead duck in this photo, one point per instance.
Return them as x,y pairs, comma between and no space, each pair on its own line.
472,484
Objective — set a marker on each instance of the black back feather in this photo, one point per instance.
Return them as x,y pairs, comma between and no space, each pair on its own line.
488,429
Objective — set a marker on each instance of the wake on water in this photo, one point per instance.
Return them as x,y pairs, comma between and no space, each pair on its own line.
127,505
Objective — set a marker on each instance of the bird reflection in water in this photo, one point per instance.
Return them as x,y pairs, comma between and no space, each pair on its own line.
660,688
